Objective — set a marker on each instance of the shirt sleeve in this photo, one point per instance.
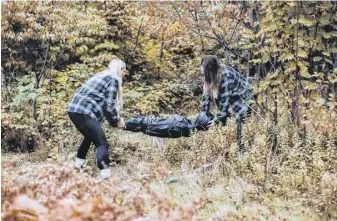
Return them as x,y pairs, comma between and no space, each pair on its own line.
224,101
205,103
222,112
110,111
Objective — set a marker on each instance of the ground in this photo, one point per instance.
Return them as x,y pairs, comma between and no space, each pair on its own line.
145,188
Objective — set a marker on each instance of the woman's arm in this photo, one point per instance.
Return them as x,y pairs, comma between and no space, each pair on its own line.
225,94
110,111
222,113
205,103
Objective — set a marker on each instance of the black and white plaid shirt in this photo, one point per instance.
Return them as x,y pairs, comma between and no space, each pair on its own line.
96,98
233,92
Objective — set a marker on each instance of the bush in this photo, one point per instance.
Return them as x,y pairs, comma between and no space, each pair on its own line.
16,138
305,167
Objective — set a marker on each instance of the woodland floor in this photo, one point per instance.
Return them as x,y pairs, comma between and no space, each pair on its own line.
53,190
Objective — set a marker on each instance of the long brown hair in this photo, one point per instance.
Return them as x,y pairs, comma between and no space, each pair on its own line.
211,68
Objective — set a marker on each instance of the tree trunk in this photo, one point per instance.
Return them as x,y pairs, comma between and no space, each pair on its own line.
34,105
34,110
274,147
200,35
161,54
296,96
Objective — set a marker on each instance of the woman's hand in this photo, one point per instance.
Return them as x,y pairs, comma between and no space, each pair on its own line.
121,124
210,124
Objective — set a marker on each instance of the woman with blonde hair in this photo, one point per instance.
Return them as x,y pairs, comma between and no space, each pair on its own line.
99,98
227,88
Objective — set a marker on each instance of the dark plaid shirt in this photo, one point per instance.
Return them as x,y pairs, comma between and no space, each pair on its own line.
233,92
96,98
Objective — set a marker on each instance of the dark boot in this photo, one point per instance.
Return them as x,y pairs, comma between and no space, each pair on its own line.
103,161
239,137
102,156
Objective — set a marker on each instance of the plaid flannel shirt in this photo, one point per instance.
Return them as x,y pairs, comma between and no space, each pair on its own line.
96,98
233,92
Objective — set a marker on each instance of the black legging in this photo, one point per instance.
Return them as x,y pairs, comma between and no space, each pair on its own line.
92,131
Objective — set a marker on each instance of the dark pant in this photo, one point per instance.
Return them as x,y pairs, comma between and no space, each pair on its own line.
92,131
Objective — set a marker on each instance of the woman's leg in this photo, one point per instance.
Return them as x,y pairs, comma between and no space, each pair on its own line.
96,134
84,148
78,120
240,111
92,131
239,136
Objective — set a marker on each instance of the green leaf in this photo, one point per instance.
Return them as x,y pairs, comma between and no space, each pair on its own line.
326,53
327,35
320,100
256,61
302,54
311,86
315,59
107,45
308,22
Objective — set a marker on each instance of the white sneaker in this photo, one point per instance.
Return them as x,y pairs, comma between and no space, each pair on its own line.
79,163
105,173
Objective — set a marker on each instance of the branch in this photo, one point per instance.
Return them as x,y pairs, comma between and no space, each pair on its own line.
234,31
54,64
210,25
222,41
39,76
235,27
137,38
176,10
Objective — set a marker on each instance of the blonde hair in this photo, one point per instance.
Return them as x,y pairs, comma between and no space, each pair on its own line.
115,67
211,68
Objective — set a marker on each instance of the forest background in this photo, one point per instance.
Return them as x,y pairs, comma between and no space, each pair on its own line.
288,50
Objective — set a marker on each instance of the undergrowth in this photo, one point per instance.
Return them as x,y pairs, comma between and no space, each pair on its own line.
294,178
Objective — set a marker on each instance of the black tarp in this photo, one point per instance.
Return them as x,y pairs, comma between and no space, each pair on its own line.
203,120
173,127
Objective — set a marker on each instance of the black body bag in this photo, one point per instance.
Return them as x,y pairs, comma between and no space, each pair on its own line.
173,127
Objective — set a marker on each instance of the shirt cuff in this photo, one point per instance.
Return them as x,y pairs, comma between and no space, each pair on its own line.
216,120
118,117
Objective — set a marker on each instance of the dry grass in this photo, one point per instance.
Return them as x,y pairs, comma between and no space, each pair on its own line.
299,183
57,192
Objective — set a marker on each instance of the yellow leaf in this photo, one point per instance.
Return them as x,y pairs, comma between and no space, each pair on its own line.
62,79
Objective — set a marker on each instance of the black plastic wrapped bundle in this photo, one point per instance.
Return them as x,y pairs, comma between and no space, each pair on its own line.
173,127
176,126
203,120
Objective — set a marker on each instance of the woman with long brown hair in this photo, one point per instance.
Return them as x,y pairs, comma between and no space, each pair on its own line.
227,88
